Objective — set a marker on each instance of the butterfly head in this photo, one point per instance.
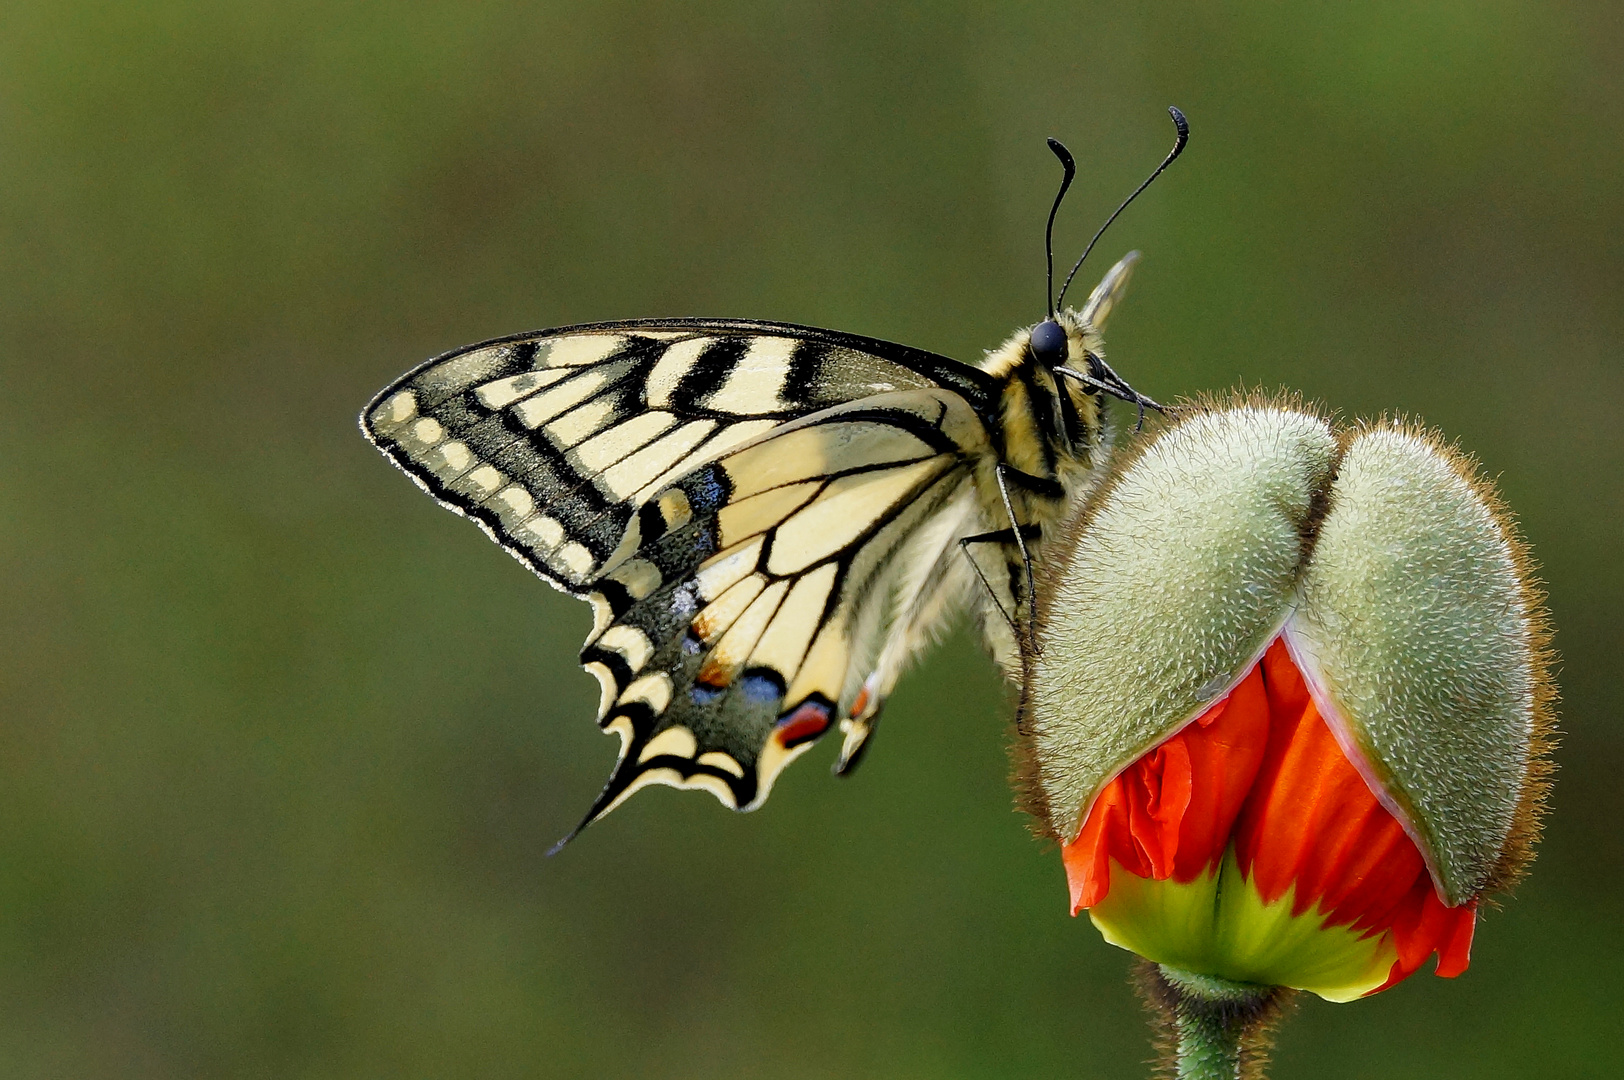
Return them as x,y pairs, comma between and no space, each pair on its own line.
1049,344
1069,346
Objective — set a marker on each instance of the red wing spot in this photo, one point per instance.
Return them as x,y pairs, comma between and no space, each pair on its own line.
809,720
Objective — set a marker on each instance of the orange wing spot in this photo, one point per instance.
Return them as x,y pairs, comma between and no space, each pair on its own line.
704,628
809,720
716,673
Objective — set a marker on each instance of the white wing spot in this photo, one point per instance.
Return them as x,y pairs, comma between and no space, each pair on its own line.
513,503
483,481
540,532
675,509
574,558
455,459
675,741
397,410
719,759
630,642
427,431
653,690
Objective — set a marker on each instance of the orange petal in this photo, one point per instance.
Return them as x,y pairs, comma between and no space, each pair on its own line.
1260,772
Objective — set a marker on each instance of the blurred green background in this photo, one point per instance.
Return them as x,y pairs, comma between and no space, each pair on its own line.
282,744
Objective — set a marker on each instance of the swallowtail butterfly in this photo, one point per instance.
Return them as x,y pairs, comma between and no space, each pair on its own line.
769,520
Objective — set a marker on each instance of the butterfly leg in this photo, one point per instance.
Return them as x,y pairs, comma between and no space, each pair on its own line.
1026,562
1026,558
1000,536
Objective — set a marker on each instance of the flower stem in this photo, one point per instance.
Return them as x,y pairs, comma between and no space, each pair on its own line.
1216,1029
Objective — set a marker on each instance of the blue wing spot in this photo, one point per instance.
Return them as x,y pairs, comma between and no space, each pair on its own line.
707,490
762,687
705,694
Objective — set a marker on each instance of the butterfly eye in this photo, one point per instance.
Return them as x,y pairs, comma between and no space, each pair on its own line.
1049,344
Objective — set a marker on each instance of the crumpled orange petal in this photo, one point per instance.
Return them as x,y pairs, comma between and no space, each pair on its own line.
1261,771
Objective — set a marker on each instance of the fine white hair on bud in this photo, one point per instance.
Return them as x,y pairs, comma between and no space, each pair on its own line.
1381,558
1169,586
1417,622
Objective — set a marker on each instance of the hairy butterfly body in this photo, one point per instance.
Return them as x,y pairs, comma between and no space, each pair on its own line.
769,520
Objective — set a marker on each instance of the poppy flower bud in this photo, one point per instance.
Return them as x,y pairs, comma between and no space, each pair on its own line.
1287,707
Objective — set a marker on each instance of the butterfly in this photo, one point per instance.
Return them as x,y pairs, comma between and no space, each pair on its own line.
769,520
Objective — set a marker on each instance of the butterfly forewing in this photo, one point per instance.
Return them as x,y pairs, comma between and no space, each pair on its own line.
551,440
734,498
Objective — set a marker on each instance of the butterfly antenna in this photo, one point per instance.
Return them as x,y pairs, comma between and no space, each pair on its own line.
1183,127
1068,163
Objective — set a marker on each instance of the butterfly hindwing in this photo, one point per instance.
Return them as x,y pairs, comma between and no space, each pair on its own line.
732,641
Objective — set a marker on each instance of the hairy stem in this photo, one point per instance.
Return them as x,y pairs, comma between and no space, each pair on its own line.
1212,1029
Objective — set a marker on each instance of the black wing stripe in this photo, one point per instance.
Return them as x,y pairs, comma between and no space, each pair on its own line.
805,365
710,369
